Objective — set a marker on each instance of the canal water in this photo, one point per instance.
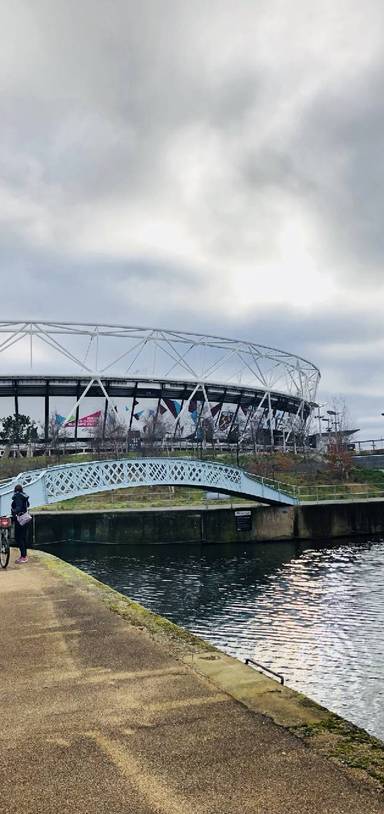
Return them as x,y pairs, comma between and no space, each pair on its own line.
314,613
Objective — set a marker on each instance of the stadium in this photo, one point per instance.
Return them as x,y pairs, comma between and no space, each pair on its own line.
175,387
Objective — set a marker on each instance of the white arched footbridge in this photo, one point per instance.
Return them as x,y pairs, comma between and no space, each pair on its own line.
57,483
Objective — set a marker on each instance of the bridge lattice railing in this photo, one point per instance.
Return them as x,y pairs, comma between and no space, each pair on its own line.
70,480
104,475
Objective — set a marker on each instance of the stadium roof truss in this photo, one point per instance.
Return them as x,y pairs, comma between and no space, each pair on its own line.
195,365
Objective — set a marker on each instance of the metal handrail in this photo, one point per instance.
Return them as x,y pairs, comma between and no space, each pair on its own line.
265,669
328,492
287,488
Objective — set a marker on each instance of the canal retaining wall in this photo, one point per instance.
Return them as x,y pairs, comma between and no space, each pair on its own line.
212,524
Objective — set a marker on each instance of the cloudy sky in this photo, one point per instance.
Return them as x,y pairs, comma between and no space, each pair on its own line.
208,165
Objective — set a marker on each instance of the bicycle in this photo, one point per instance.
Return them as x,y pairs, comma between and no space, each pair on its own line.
5,525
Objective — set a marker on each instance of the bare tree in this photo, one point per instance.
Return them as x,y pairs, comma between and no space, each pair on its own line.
208,431
108,433
296,427
339,455
255,429
57,434
155,430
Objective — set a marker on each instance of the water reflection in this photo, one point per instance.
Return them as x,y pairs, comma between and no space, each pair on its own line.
315,614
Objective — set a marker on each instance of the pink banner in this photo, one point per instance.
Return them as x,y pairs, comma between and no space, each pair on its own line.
90,420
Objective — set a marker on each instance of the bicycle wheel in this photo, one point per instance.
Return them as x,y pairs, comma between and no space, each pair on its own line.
4,553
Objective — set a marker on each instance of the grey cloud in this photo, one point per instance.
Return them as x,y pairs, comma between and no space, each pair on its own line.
344,129
91,104
103,92
52,286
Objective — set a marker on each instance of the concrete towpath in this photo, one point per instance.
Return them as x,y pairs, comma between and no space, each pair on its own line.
97,715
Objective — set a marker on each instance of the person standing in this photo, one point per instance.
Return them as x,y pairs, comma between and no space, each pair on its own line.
20,504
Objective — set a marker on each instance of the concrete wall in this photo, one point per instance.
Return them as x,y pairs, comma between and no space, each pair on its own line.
339,520
211,525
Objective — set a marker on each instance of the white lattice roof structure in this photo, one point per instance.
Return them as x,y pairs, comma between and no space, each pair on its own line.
82,359
124,351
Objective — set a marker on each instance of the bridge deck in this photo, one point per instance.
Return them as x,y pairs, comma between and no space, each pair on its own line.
59,483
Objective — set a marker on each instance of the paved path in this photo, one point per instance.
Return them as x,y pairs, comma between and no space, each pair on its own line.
96,717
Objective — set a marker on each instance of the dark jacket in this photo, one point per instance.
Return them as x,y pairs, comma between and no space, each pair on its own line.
20,503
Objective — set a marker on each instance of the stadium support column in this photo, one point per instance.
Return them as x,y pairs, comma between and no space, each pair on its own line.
79,400
46,413
280,428
158,408
206,401
16,400
133,406
156,416
252,408
234,417
221,409
106,405
304,424
270,422
78,397
250,414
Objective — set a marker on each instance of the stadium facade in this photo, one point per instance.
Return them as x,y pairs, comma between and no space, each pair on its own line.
174,386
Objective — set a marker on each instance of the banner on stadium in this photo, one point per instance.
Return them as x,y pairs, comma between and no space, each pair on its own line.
59,419
90,420
173,405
